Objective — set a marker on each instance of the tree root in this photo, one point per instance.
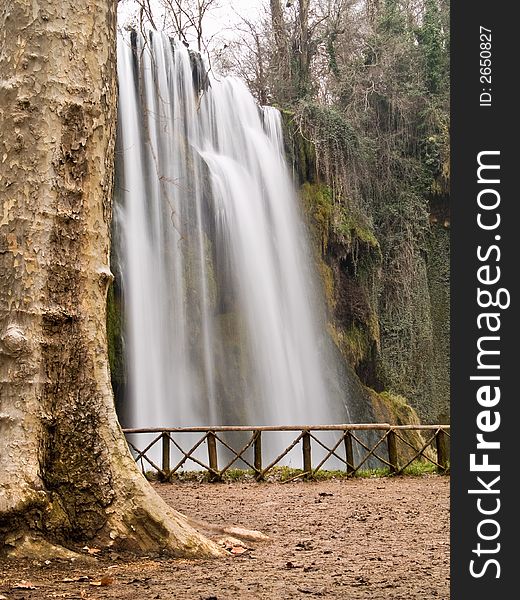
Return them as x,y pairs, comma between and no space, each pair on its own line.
36,547
141,521
251,535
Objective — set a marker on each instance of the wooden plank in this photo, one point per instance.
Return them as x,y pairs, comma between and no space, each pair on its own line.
441,441
257,448
306,448
340,427
420,427
212,456
392,452
165,454
349,453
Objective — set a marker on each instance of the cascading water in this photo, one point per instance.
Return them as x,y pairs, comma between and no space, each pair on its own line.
223,322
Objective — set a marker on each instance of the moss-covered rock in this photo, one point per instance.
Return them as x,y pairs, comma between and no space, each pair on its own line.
347,256
384,268
300,152
395,409
116,356
318,208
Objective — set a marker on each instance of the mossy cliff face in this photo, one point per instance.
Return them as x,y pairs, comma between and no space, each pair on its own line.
439,288
348,258
385,274
395,409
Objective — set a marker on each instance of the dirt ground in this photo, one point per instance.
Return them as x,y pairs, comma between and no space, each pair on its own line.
379,538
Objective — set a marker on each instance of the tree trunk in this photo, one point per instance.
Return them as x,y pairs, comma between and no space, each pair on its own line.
65,471
282,62
305,52
279,28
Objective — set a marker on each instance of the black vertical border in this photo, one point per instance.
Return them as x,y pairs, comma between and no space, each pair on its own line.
475,129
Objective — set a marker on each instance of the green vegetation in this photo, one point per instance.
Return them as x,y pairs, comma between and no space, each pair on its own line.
319,208
287,474
378,199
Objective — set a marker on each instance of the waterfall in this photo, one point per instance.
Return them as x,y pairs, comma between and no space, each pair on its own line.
224,324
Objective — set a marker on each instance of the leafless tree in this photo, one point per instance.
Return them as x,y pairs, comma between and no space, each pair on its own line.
183,18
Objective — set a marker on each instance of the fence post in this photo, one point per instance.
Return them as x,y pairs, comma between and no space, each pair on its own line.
212,455
349,453
165,455
306,447
257,449
392,452
441,440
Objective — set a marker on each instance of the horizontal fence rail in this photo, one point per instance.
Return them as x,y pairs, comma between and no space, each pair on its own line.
351,446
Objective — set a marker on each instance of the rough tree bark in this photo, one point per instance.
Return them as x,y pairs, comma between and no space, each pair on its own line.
278,23
282,59
293,50
305,52
65,470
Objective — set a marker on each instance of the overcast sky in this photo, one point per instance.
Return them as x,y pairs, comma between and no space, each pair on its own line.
221,21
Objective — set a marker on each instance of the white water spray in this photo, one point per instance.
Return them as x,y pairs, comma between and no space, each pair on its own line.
223,322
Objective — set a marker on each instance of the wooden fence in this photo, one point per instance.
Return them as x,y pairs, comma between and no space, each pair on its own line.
394,446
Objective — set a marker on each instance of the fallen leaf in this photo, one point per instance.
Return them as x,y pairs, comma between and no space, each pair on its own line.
91,550
105,580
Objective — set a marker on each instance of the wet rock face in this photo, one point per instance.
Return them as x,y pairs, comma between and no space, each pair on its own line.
387,300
